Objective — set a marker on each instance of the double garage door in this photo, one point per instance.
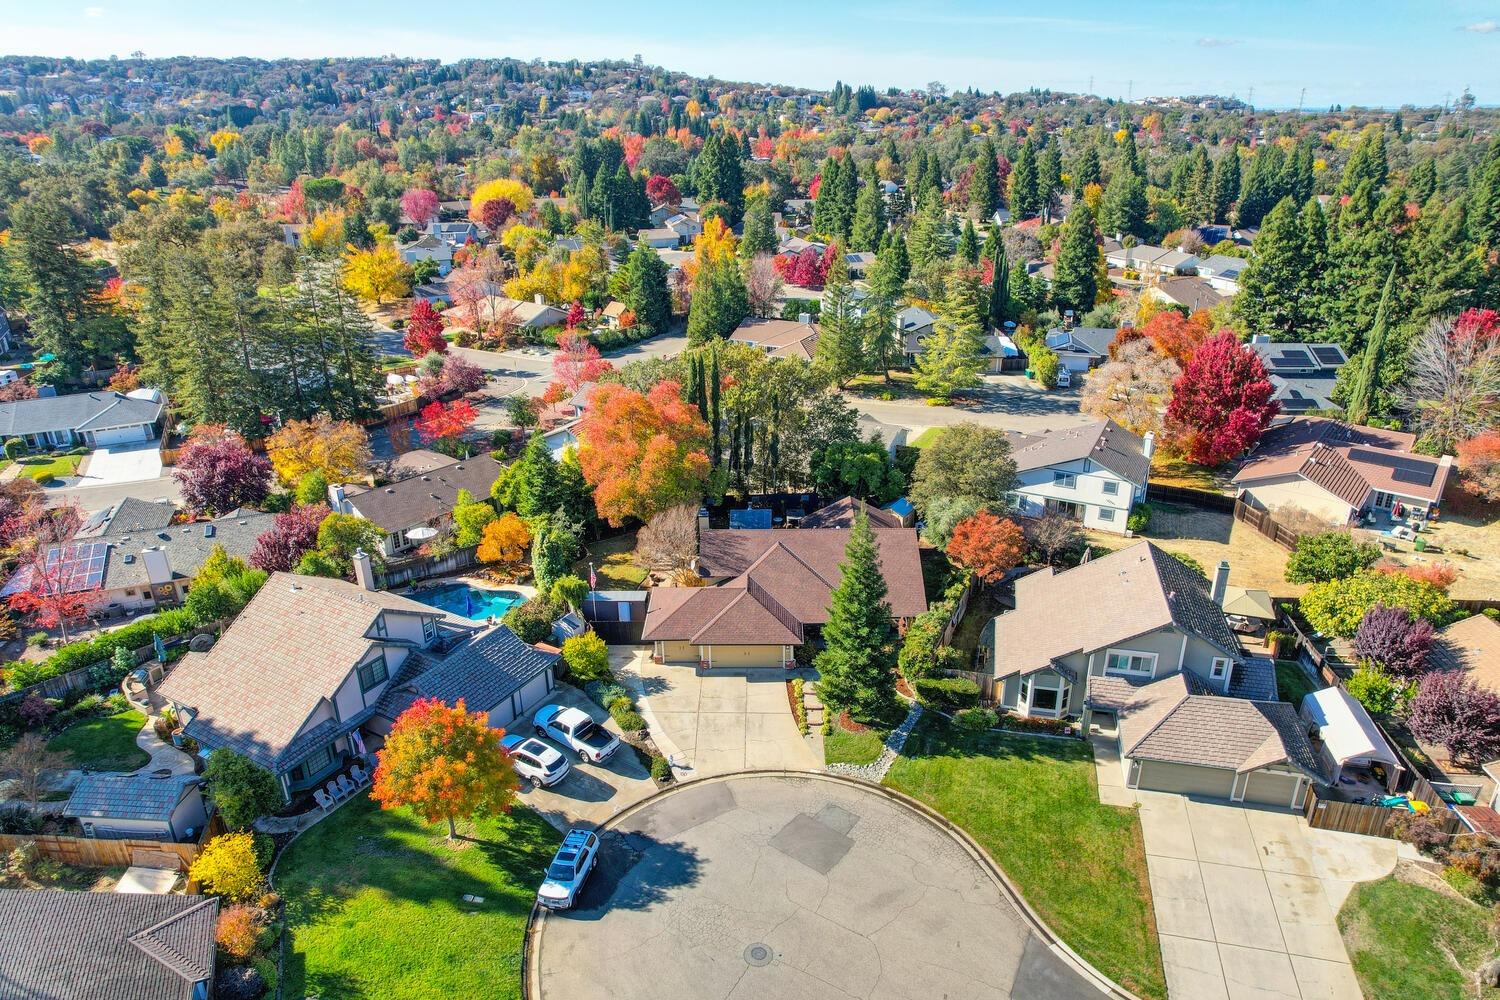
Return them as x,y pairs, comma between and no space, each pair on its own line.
523,702
1271,788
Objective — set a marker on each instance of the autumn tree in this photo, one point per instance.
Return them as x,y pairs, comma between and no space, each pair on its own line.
669,541
1453,379
49,595
988,545
291,535
445,422
1177,336
1394,640
642,453
218,472
577,362
1221,403
506,540
1453,711
443,763
340,449
377,274
517,193
420,205
1479,461
424,330
1132,389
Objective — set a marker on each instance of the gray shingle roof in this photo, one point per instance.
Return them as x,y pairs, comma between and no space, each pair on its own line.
421,498
75,411
128,796
104,946
484,671
1102,441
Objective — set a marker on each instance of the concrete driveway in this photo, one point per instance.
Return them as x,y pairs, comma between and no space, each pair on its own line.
1246,899
591,793
716,723
112,466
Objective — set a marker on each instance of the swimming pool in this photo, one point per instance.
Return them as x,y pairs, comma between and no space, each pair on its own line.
468,601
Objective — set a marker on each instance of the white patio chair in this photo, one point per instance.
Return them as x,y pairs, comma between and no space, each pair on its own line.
348,786
360,777
325,801
334,790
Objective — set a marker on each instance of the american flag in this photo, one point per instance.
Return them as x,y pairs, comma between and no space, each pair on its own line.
593,578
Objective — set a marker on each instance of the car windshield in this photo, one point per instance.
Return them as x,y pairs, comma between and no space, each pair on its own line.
560,871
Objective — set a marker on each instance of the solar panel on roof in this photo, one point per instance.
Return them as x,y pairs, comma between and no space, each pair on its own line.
1331,356
1417,476
1403,469
1292,359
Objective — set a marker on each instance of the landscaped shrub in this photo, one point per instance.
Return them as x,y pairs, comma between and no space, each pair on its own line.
661,769
627,718
238,932
587,658
1037,724
947,692
1336,607
606,693
242,789
532,620
1140,518
239,982
919,650
976,719
1422,831
1329,555
229,867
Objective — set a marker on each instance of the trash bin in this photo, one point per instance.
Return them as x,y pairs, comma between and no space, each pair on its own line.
1420,544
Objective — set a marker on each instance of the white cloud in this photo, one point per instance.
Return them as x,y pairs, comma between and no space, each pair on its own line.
1483,27
1216,43
93,12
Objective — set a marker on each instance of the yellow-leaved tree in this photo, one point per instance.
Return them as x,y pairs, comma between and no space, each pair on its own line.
518,193
376,274
444,763
229,867
339,448
325,233
506,540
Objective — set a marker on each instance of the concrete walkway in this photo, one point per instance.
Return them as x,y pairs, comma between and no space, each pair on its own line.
163,755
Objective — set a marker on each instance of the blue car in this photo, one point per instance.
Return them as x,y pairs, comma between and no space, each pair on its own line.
536,761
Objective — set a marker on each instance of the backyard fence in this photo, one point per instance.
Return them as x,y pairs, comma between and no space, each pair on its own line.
1190,497
81,678
1377,821
87,852
396,574
989,688
959,607
1263,522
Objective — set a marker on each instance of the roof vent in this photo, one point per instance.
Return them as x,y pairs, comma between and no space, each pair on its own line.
129,558
209,531
458,468
390,489
426,479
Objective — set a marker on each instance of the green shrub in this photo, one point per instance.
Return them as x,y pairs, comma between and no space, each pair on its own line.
14,448
532,621
37,639
947,692
976,719
1190,563
1336,607
1140,518
661,769
919,656
627,718
605,693
587,658
1379,691
1329,555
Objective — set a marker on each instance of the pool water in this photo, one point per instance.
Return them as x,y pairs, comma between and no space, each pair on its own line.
467,601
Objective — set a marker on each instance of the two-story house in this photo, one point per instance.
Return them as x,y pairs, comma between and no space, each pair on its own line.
424,500
312,673
1094,473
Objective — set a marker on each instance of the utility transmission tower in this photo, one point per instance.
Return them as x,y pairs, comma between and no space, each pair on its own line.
1300,98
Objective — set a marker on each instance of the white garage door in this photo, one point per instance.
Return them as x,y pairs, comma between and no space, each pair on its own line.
119,435
1271,788
523,702
1074,363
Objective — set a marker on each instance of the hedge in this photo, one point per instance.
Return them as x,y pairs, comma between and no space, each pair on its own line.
168,624
950,692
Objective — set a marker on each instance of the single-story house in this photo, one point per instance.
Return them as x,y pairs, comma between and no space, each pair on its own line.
428,247
1304,374
425,500
771,593
455,234
106,945
1471,645
139,806
1001,354
1178,734
613,312
1082,347
1339,472
141,560
1222,272
1346,737
660,238
1191,293
1137,613
1095,473
779,338
536,314
96,419
842,513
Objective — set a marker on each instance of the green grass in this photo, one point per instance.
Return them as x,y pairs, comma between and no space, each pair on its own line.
42,468
1407,942
104,744
613,563
1034,806
981,611
1292,681
927,437
374,904
840,746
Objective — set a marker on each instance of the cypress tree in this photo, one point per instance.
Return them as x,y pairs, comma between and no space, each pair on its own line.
999,299
1124,207
968,244
713,405
1049,177
869,217
845,194
1367,382
857,667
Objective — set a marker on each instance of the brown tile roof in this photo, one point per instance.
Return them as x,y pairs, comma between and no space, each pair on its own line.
1102,441
1101,602
840,514
1471,645
1481,819
1346,460
421,498
104,946
290,648
780,338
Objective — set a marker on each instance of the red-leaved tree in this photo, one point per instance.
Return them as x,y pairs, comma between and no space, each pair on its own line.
575,316
662,191
1454,712
218,472
1175,335
577,363
443,763
989,545
1221,403
1393,639
420,205
495,213
1479,460
445,421
642,454
55,594
424,330
292,534
460,376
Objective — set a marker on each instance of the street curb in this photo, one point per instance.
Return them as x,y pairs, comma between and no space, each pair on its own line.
537,920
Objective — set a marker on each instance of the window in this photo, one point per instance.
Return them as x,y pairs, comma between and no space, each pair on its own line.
1044,700
1025,687
429,629
1118,661
1066,480
1106,513
314,765
380,626
1111,487
372,673
1220,668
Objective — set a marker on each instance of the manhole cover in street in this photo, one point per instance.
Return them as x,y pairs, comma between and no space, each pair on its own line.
758,955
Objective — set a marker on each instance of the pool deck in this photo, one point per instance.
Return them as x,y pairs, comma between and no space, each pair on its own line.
526,590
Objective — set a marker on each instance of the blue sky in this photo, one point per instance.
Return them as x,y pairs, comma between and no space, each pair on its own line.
1375,52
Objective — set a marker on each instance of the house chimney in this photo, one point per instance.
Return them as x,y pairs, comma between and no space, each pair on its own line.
804,318
1148,444
702,520
539,299
364,572
1221,582
336,498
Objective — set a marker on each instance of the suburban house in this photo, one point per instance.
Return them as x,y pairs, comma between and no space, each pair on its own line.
1095,473
1222,272
107,945
1341,473
96,419
425,500
536,314
139,806
313,672
455,234
779,338
1001,354
1303,374
1082,347
1147,260
613,313
660,238
915,324
428,247
770,593
1191,293
1148,617
1473,646
140,560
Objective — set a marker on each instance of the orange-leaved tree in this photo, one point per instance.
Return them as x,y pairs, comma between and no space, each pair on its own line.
505,540
987,544
642,453
444,762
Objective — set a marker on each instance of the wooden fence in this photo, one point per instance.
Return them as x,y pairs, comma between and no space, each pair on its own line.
1263,522
87,852
1190,497
989,688
1377,821
959,607
396,574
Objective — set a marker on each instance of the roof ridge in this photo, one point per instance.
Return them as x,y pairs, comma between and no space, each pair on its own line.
1187,693
149,941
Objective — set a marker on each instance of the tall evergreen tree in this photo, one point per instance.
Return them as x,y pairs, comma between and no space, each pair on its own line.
57,287
1366,384
838,353
984,186
642,287
1123,210
1076,274
869,217
1049,177
857,666
1087,171
882,338
1197,201
951,357
1025,197
1274,297
714,423
720,302
999,297
968,244
931,234
760,229
1224,184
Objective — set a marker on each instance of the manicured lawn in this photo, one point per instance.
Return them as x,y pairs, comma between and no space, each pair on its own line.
104,744
374,904
840,746
41,468
1034,806
1292,681
613,563
927,437
1408,942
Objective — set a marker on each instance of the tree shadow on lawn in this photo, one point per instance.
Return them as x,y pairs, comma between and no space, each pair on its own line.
635,871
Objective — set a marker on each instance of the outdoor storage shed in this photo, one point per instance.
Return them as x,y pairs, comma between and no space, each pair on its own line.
1349,737
138,806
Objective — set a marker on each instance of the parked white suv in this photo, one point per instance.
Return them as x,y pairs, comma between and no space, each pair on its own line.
570,866
535,761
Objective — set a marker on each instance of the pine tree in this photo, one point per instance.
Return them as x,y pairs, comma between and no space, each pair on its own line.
1076,276
846,193
931,235
968,244
1123,210
1088,170
720,302
643,288
869,217
760,229
1049,177
900,258
838,352
1130,155
951,357
1423,180
882,339
857,666
1262,189
1365,385
984,186
1197,202
1025,198
57,287
825,220
1274,295
1225,184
